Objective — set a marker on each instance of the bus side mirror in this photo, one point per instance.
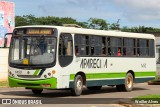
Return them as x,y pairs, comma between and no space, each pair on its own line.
6,39
5,42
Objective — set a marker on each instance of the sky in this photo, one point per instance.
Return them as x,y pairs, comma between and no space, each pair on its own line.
130,12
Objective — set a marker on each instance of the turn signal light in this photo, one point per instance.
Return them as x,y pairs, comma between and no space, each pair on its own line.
53,72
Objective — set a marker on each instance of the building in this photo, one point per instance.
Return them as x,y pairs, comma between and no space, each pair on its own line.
7,21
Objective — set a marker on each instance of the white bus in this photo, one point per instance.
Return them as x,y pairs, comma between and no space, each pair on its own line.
54,57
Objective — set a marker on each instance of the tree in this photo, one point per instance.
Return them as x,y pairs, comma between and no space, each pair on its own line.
96,23
48,20
93,23
83,24
20,21
140,29
115,26
126,29
25,20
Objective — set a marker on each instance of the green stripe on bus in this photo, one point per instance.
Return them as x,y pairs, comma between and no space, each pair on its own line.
143,74
36,72
114,75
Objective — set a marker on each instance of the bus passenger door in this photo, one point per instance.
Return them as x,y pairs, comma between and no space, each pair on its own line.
65,57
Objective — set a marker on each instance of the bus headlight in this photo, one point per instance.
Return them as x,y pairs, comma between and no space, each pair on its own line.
49,74
12,75
45,76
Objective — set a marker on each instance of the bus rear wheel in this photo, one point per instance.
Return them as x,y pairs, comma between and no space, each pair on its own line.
78,86
128,85
95,88
37,91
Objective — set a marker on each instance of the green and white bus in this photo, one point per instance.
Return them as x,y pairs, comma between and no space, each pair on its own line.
55,57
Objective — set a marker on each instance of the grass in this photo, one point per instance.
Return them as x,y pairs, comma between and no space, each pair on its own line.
150,100
149,96
3,83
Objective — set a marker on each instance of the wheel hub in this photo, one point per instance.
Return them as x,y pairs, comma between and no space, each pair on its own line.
129,82
79,85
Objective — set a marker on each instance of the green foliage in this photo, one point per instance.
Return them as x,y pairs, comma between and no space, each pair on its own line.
83,24
96,23
149,96
25,20
93,23
49,20
140,29
115,26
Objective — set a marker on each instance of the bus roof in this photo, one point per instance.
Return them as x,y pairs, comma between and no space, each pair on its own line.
94,31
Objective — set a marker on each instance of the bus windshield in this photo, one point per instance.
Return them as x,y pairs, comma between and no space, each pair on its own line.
33,50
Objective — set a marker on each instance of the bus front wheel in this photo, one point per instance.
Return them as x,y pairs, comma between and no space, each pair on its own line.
37,91
78,86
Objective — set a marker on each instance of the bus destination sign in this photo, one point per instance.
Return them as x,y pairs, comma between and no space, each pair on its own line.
34,31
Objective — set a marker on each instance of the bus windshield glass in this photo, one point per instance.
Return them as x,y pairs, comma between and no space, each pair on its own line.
37,50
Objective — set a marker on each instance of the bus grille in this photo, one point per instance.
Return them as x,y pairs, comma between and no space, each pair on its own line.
29,76
28,84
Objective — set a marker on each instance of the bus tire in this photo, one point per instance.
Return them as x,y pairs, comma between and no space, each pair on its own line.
78,86
128,86
37,91
95,88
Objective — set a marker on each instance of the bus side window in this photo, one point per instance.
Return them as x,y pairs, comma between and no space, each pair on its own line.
65,45
119,52
92,44
151,48
104,51
143,47
69,48
109,51
76,51
92,50
65,49
81,45
109,48
114,45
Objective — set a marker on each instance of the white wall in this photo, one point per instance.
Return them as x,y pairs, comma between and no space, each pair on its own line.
3,63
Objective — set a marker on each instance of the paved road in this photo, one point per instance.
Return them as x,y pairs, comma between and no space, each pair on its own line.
106,92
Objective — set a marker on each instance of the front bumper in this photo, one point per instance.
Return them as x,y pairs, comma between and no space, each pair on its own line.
14,82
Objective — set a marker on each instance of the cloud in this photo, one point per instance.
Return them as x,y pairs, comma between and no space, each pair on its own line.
139,10
79,9
131,12
42,8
